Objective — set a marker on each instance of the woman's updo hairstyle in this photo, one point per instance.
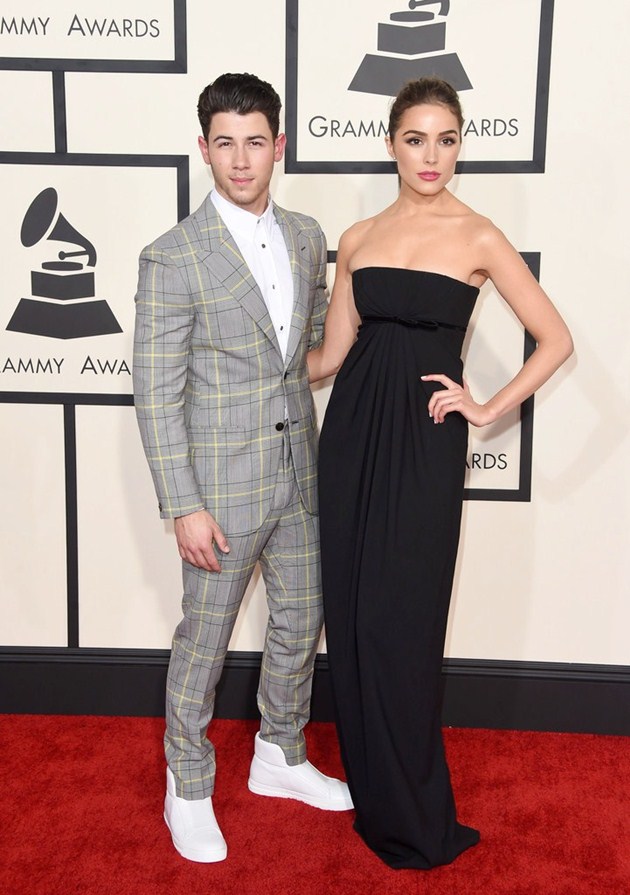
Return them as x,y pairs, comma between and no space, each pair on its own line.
431,91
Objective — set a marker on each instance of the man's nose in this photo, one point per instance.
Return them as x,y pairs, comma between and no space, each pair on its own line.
240,159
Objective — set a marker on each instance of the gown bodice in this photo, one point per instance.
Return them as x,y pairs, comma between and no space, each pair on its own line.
413,297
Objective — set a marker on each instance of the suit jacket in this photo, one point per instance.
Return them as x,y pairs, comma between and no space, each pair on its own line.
210,383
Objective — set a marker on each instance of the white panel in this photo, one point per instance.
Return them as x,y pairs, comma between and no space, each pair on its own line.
129,574
33,542
102,29
26,111
115,210
466,46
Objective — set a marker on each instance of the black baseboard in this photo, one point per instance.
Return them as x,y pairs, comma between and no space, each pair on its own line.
477,693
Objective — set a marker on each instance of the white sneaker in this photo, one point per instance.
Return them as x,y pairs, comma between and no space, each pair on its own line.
270,775
194,829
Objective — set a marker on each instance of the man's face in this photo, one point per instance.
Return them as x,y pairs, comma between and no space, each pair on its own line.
241,152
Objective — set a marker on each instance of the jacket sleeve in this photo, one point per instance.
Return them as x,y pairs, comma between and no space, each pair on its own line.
320,290
162,342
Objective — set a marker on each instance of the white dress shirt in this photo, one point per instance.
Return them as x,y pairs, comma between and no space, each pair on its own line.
260,242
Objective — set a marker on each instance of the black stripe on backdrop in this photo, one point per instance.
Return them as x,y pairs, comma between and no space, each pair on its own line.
496,694
542,85
59,111
72,527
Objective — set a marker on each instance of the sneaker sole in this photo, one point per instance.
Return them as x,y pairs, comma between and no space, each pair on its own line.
261,789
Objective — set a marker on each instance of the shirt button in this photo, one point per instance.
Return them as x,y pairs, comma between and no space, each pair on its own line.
279,426
263,246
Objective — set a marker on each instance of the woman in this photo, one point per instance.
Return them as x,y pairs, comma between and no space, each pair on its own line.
392,462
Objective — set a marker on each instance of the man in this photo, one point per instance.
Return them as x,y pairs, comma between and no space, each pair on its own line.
229,302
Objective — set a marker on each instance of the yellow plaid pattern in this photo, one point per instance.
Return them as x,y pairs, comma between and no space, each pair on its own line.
210,383
287,546
211,389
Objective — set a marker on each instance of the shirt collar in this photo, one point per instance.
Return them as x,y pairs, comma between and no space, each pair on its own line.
238,220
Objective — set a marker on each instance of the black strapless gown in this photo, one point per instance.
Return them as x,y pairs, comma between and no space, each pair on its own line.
391,486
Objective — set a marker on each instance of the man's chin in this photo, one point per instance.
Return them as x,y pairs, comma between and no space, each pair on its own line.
246,199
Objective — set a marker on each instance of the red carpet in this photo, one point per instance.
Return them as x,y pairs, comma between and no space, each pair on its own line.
82,813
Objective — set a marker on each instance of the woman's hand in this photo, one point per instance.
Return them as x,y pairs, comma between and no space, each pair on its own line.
455,397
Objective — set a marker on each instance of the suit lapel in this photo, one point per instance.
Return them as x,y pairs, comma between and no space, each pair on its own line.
219,252
297,247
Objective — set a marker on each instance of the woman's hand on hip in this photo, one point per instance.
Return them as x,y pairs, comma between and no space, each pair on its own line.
455,397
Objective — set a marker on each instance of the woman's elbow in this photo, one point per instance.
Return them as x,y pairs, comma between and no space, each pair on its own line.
567,347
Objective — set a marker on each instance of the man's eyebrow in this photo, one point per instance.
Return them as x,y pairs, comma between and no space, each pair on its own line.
228,137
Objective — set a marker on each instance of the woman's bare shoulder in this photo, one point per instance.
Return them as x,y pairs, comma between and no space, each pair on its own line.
356,235
358,230
479,228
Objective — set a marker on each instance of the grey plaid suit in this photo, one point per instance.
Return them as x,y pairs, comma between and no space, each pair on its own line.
211,388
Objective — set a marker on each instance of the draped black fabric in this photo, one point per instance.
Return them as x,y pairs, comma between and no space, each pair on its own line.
391,485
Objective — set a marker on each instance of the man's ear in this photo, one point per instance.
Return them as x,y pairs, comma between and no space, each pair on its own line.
279,143
203,148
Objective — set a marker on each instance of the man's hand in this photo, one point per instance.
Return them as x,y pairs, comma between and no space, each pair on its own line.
195,534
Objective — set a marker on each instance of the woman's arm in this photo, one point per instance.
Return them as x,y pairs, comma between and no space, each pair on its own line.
342,319
516,284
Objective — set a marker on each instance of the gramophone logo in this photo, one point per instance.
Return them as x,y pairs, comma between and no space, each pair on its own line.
65,306
411,43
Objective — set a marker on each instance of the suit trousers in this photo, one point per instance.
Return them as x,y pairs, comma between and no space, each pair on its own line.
287,547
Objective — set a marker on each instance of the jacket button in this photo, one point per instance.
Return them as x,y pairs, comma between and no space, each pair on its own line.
279,426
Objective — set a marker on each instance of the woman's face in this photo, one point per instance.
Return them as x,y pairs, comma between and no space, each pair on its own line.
426,146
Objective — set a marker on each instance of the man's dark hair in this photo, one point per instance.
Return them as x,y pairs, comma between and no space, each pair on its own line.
242,93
